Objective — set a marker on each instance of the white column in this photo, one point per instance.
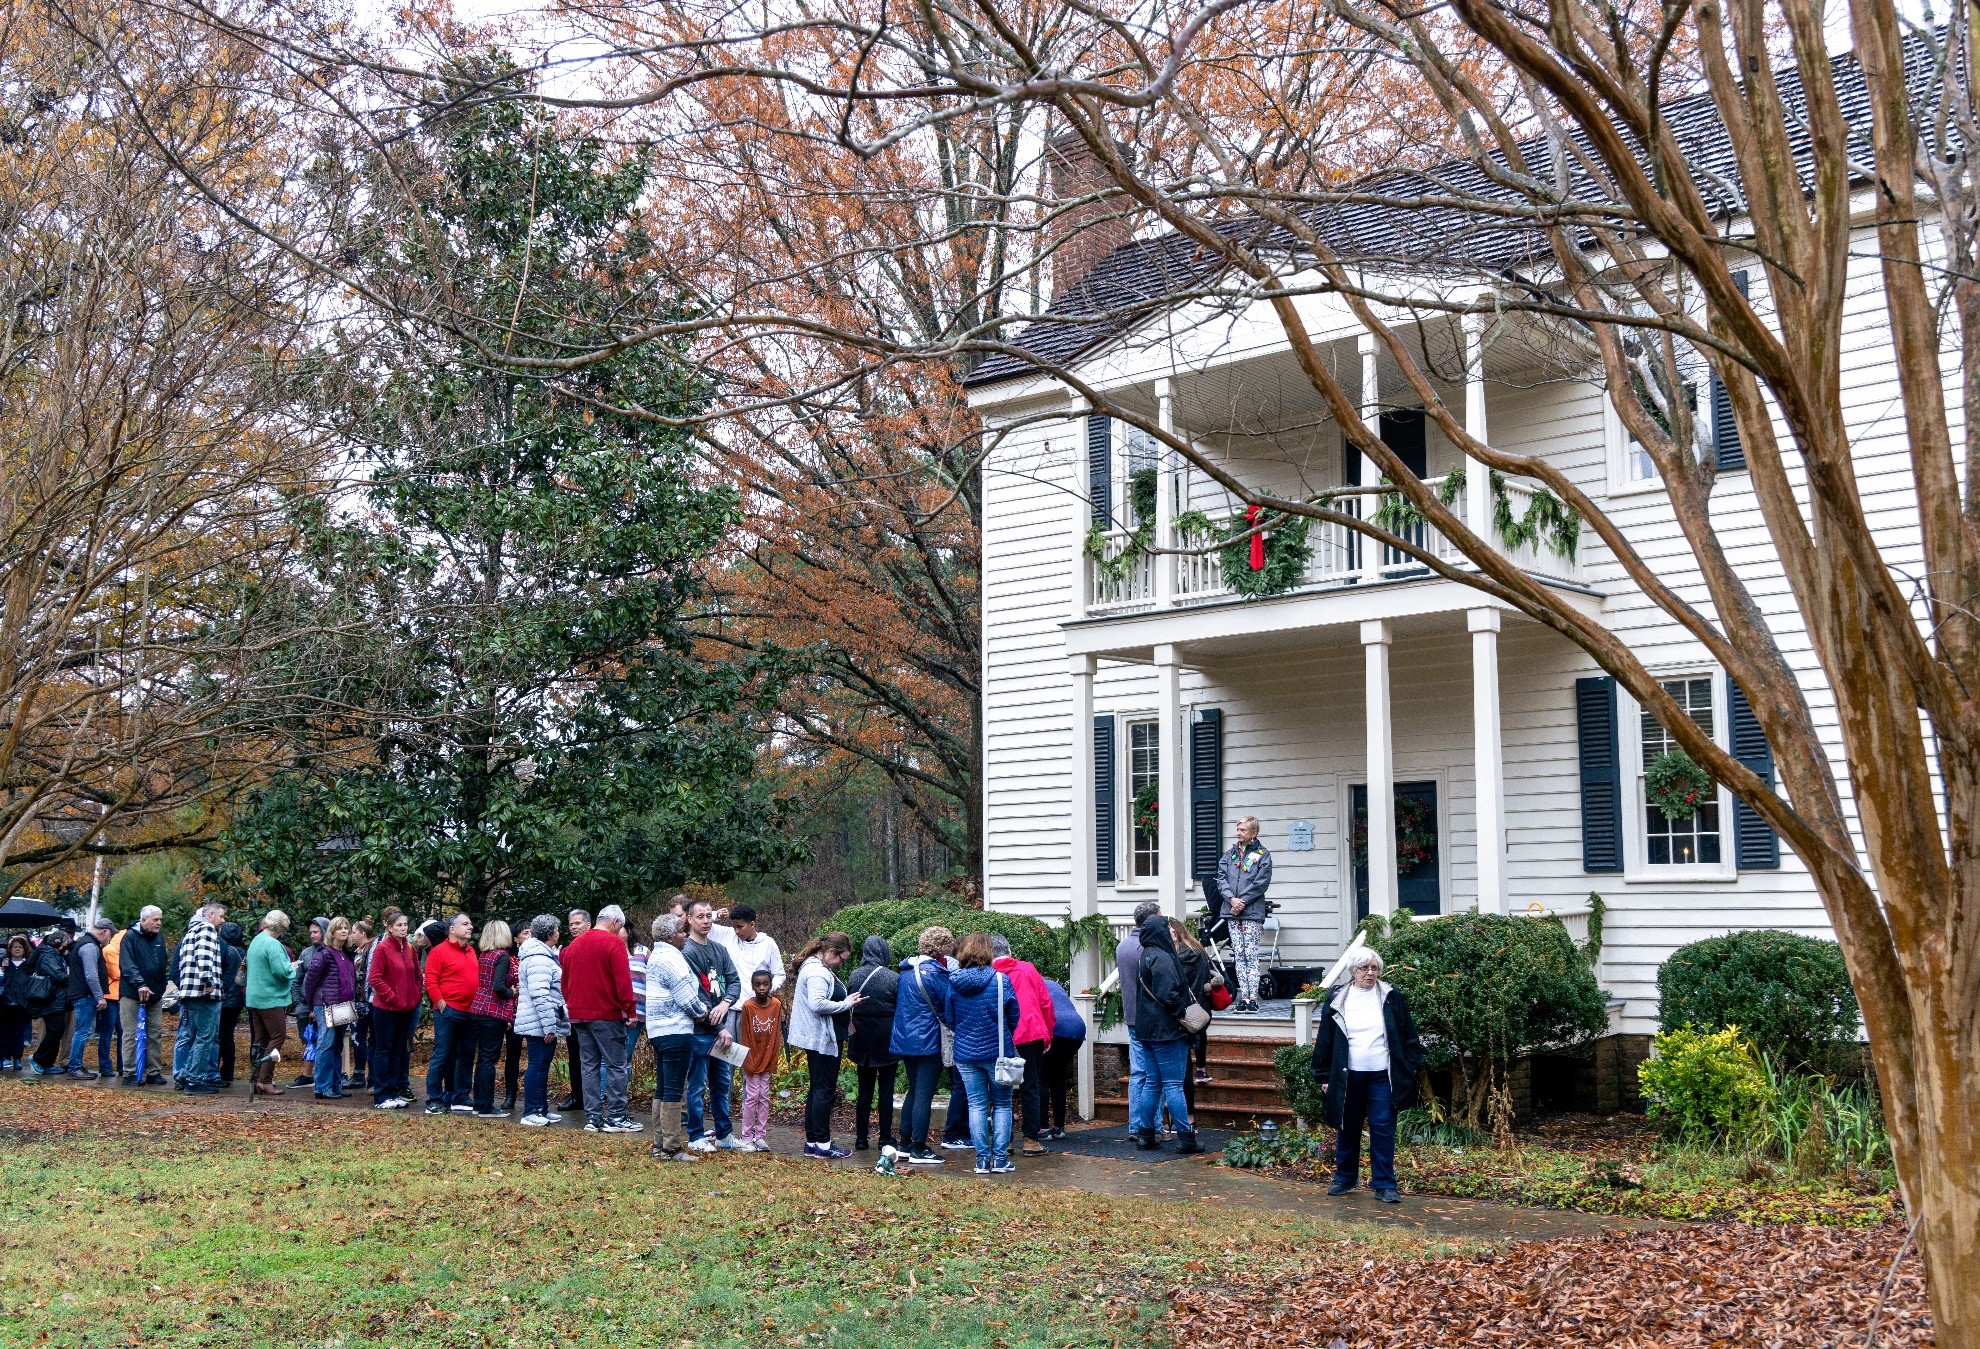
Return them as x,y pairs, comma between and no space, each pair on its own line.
1087,1006
1172,834
1165,497
1082,566
1489,759
1477,477
1371,472
1085,889
1375,639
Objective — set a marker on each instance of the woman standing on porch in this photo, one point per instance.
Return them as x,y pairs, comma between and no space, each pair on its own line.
1368,1054
1244,875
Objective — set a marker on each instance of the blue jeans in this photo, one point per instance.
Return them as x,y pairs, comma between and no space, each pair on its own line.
452,1042
716,1079
1141,1100
109,1043
671,1054
202,1016
989,1114
182,1048
390,1053
923,1071
1168,1074
329,1055
536,1074
85,1012
1367,1099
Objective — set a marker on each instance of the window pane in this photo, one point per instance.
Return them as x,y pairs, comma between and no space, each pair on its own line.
1144,770
1692,842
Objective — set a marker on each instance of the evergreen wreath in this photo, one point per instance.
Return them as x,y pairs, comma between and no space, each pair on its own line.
1676,785
1287,552
1147,808
1416,837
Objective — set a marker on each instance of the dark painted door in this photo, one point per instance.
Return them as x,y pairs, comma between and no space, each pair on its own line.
1419,867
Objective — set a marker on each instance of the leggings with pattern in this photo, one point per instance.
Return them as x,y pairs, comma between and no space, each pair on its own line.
1244,950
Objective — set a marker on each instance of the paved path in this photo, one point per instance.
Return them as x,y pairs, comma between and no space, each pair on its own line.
1155,1175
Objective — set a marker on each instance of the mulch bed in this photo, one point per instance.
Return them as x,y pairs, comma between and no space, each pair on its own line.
1670,1288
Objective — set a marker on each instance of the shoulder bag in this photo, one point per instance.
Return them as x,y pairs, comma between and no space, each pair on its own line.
339,1013
1008,1070
947,1036
1192,1018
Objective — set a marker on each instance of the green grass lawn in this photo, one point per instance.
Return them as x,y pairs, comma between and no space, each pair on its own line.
163,1222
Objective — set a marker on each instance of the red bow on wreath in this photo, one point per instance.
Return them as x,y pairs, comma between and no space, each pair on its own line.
1251,514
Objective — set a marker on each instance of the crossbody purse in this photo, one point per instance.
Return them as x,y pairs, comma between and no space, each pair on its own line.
948,1037
1008,1070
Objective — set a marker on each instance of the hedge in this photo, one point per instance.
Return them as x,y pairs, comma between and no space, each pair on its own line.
884,917
1030,939
1789,995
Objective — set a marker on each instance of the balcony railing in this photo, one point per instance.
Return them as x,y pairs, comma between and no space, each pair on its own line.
1336,560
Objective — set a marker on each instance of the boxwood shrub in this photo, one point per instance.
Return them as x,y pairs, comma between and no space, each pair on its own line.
1789,995
885,917
1030,939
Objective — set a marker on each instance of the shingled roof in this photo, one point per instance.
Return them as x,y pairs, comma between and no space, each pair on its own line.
1144,277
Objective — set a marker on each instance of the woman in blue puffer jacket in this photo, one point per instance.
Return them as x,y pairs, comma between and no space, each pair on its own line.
975,994
921,1003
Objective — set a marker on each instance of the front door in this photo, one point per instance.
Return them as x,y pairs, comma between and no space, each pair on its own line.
1419,867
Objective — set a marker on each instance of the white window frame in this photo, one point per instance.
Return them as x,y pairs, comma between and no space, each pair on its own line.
1621,451
1637,870
1130,877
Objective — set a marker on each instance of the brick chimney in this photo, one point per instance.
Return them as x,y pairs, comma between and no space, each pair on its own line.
1080,236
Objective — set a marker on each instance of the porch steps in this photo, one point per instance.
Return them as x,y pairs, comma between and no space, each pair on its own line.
1244,1088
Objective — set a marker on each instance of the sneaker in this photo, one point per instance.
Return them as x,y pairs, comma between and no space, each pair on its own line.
923,1157
399,1103
534,1121
702,1145
1340,1186
435,1108
682,1156
84,1074
206,1089
624,1126
982,1170
825,1152
755,1145
1003,1168
1033,1148
959,1145
490,1113
462,1109
1202,1077
1389,1196
554,1117
594,1126
36,1070
728,1143
387,1105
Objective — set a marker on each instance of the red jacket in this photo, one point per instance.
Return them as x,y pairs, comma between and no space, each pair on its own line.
453,973
597,977
1035,1015
393,975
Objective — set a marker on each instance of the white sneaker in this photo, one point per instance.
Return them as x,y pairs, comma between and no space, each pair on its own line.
534,1121
552,1117
729,1143
462,1109
702,1145
958,1147
398,1103
387,1105
758,1145
624,1126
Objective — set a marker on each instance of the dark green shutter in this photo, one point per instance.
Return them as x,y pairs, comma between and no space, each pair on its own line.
1206,791
1756,847
1100,469
1103,799
1727,450
1601,774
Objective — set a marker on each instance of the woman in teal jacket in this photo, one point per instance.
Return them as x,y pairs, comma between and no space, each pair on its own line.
268,976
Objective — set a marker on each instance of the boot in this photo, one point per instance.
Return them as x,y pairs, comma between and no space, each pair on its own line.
1146,1141
1186,1143
507,1103
267,1089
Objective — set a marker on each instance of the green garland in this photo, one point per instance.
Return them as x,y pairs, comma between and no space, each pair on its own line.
1287,551
1676,785
1548,521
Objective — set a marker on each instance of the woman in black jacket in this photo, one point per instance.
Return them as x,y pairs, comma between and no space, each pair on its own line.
872,1039
1158,1011
16,1026
1368,1054
1201,974
47,992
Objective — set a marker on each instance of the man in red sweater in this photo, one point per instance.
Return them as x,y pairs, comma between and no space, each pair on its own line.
598,992
453,972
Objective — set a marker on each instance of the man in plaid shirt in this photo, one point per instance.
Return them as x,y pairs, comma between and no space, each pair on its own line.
200,991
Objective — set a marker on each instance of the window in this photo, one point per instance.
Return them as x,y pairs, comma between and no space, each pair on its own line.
1631,468
1141,454
1692,842
1144,771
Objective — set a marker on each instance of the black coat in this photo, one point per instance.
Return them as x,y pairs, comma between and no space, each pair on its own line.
1164,988
873,1019
54,966
233,992
141,960
1330,1051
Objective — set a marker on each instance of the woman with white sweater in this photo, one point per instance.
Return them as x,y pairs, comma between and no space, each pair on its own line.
540,1016
674,1007
818,997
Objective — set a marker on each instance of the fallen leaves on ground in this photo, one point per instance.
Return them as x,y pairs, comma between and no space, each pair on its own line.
1668,1288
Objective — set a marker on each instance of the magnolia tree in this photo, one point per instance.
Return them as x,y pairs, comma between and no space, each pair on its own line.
1517,163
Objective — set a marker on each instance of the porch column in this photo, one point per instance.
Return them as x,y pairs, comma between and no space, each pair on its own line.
1165,496
1489,759
1375,639
1172,793
1477,477
1371,473
1085,888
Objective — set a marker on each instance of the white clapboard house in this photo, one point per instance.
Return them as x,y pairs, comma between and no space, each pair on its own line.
1515,763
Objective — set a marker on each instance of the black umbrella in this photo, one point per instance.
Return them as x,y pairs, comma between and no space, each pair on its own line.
20,911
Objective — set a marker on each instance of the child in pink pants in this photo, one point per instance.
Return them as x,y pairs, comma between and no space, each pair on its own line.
763,1036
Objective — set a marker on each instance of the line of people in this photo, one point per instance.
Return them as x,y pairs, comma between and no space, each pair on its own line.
1007,1036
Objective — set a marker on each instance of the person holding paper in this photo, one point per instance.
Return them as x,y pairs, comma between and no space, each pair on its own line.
819,998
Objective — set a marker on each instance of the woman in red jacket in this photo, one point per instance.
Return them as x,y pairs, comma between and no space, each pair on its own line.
393,978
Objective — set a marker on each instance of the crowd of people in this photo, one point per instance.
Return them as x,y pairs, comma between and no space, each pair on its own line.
711,996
